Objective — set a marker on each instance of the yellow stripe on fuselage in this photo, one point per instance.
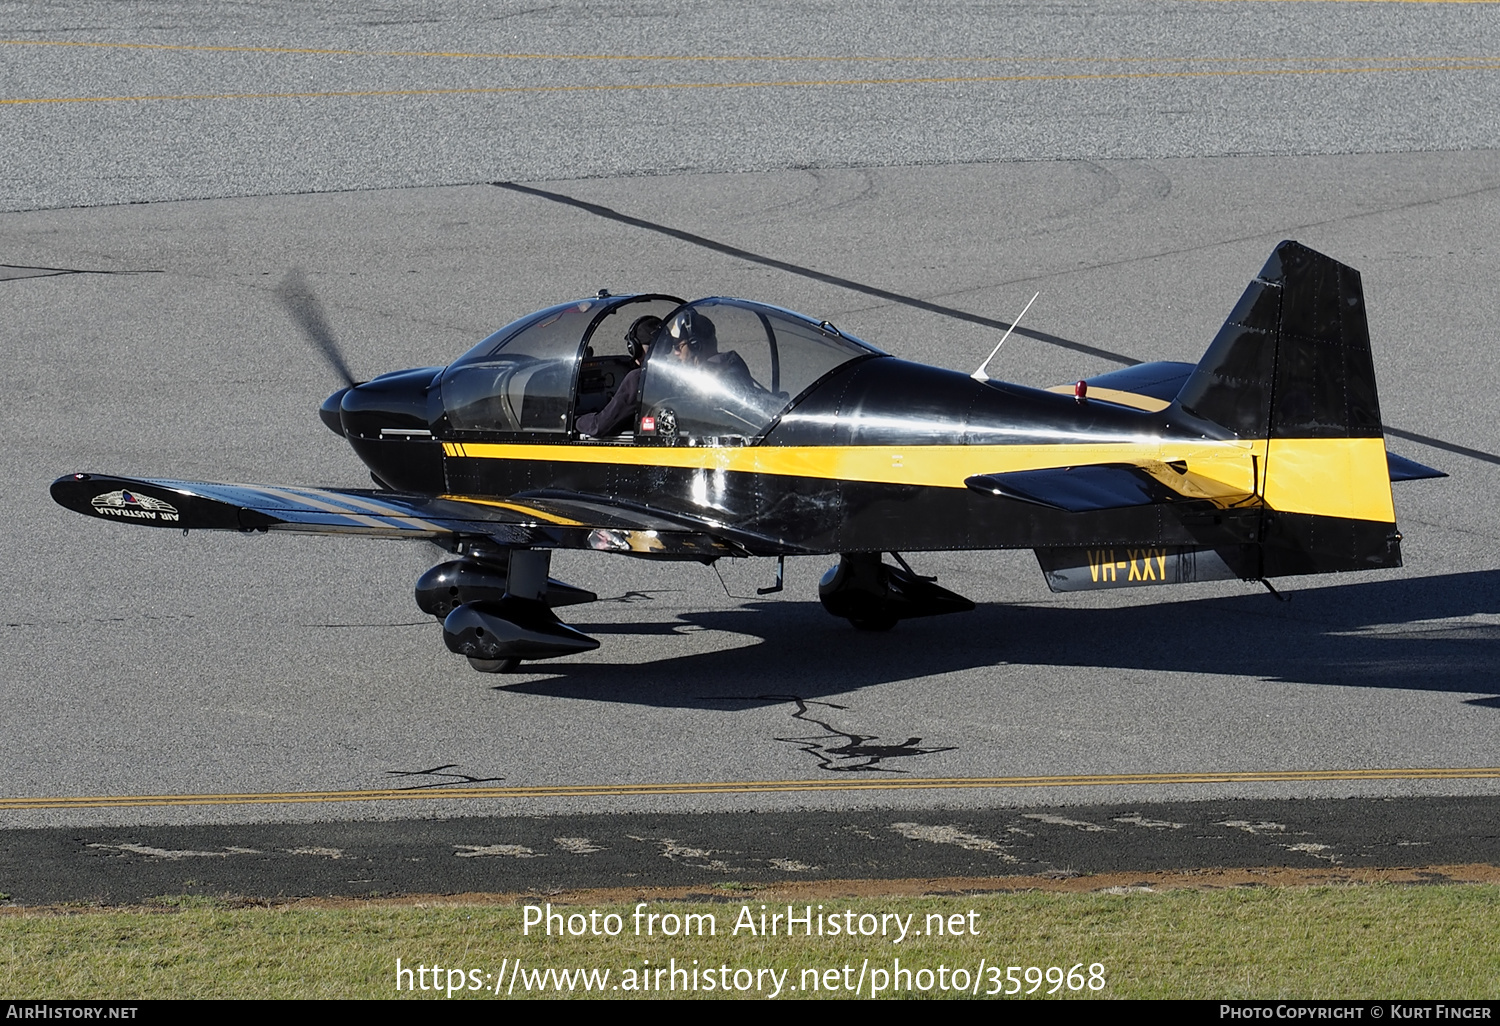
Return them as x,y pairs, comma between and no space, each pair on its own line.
1343,477
932,466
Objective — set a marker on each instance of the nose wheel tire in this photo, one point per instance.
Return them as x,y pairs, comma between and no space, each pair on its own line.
494,665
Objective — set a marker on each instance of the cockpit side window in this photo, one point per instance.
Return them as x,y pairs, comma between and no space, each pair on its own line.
724,370
608,361
522,381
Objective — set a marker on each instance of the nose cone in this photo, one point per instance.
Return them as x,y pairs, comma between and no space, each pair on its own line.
329,412
393,404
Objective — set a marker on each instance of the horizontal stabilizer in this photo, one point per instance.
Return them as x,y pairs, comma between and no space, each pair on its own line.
1077,489
1403,469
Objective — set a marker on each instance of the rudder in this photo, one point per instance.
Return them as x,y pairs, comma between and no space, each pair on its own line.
1292,367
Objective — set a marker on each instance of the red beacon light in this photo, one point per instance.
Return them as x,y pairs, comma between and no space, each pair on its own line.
1081,391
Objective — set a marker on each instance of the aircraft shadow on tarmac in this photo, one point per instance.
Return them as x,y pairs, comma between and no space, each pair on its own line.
1427,634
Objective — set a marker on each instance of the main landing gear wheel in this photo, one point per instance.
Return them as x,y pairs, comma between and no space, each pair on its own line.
872,595
494,665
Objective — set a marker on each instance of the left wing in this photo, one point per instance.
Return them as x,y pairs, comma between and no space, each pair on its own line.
556,521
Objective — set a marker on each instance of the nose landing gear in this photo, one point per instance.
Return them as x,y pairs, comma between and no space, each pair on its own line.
496,608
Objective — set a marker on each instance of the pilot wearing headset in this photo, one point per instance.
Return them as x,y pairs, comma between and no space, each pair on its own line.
695,342
620,410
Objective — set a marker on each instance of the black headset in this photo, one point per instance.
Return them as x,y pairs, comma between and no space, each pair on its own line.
633,344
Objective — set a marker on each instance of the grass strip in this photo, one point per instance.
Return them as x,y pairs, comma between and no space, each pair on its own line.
1347,941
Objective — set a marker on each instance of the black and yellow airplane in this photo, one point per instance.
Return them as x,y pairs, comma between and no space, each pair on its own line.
759,432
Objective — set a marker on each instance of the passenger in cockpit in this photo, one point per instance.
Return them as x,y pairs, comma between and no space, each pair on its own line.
695,342
619,413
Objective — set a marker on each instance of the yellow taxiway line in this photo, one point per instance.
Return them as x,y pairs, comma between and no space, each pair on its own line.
767,84
743,787
893,58
1358,1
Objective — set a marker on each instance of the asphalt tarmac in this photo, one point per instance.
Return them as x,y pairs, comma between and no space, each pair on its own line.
1133,162
174,100
718,855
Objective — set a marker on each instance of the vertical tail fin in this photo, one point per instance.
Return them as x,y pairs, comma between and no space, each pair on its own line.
1292,367
1293,359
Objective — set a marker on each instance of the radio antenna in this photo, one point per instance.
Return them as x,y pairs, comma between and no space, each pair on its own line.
980,375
